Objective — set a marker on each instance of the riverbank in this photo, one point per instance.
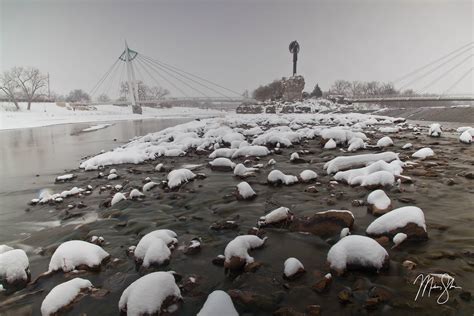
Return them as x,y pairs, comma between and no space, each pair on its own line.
47,114
461,114
208,208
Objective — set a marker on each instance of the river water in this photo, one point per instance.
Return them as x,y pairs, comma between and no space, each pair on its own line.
190,211
31,158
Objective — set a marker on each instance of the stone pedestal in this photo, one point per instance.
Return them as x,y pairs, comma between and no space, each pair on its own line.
293,88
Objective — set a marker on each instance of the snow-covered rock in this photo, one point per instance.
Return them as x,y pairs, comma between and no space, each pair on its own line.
251,151
159,167
347,162
148,186
384,142
292,268
435,130
281,214
14,267
357,251
222,152
241,171
466,136
179,176
378,202
409,220
112,176
117,198
407,146
152,294
344,232
77,254
423,153
153,247
222,163
308,175
398,239
389,129
377,173
135,194
341,135
62,295
236,252
330,144
5,248
278,177
356,144
65,177
218,303
245,191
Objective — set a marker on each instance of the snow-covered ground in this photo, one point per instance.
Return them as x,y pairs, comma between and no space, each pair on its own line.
45,114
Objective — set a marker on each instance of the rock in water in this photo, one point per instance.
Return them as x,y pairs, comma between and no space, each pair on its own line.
409,220
293,268
324,224
152,294
358,252
378,203
218,303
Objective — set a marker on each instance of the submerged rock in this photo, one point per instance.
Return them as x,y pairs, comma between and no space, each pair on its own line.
324,224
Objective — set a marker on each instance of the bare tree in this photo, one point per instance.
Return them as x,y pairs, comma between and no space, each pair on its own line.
157,93
103,98
78,95
10,87
342,87
31,82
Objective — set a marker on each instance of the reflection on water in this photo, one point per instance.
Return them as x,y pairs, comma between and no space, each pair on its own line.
31,158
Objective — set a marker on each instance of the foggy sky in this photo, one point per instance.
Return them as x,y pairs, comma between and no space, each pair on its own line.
239,44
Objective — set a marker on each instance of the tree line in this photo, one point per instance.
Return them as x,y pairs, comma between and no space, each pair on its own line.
274,90
29,84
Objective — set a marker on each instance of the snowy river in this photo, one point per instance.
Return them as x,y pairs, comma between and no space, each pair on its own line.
439,189
31,158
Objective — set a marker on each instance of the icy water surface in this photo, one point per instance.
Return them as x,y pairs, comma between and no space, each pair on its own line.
190,211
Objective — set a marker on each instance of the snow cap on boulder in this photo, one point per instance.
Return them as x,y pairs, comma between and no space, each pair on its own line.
423,153
357,251
14,267
151,294
278,177
292,268
179,176
236,252
218,303
409,220
245,191
62,295
378,202
77,254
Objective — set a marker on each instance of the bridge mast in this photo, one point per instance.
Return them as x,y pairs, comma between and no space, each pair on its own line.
132,83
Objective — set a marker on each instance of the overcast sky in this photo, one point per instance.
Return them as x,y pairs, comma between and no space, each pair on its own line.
239,44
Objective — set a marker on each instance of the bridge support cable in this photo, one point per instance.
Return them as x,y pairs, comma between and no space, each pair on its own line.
192,75
458,81
101,80
444,74
172,75
434,69
113,75
187,77
469,46
145,68
181,75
